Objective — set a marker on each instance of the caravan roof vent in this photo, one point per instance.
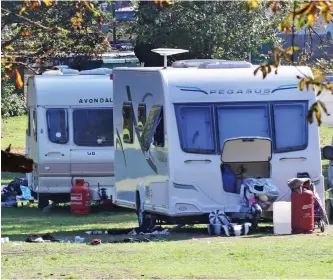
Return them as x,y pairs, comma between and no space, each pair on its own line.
97,71
61,70
52,72
68,71
166,52
59,67
226,64
193,63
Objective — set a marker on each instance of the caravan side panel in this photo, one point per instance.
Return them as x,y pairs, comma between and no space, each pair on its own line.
135,92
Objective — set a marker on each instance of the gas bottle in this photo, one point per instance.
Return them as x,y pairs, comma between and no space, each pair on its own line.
80,198
302,211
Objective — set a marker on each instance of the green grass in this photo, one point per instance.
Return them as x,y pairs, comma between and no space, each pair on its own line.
187,253
13,132
18,222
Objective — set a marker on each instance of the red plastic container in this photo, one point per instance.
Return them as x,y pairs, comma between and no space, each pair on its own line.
80,198
302,212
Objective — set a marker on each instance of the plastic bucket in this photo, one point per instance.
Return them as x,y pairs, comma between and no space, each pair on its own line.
217,229
237,229
210,229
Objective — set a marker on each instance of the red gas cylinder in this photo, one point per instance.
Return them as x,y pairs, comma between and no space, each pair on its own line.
302,211
80,198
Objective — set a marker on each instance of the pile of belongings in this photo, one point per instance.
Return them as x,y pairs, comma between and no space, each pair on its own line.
37,238
14,191
259,191
218,219
154,231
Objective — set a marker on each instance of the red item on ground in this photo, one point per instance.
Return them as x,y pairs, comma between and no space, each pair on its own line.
302,211
80,198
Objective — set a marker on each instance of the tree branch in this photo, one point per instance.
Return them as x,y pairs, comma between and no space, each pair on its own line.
320,39
28,67
28,20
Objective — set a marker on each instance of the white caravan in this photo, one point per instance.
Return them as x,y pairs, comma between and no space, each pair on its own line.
177,129
70,133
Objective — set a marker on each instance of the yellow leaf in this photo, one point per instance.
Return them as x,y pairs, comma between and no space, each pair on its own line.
255,4
301,85
90,6
19,81
328,16
9,66
9,47
22,10
73,20
311,19
292,49
47,2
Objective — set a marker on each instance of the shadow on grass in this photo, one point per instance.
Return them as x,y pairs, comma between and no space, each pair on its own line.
18,223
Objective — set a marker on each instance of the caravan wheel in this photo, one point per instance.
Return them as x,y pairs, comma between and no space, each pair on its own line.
43,201
140,215
146,220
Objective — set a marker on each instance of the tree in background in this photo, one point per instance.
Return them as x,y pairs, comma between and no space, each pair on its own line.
35,31
222,29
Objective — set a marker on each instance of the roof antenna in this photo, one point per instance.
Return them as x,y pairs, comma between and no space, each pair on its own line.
166,52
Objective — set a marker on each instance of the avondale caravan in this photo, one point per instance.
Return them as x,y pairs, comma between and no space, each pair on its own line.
70,133
188,140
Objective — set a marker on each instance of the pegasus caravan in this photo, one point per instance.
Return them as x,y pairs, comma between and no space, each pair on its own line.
191,140
70,133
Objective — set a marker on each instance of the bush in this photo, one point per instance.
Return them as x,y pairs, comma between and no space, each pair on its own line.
12,103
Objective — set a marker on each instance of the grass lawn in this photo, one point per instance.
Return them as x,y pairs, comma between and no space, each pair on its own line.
185,253
13,132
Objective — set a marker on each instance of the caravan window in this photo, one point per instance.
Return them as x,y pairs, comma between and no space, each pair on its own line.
142,116
290,127
153,131
57,125
29,123
34,124
128,123
239,121
195,127
158,138
93,127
